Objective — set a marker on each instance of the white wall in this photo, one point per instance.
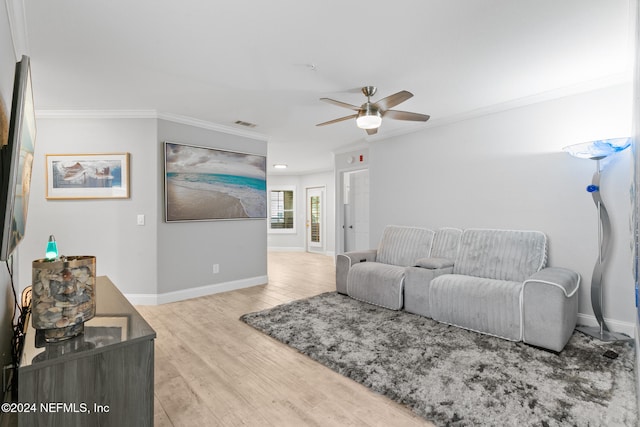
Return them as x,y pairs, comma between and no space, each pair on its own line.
507,170
106,229
636,163
288,241
188,250
351,160
297,241
157,262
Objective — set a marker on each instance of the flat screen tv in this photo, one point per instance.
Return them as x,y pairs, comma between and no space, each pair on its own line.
16,161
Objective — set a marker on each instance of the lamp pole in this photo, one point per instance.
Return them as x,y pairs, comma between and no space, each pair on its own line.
602,331
598,150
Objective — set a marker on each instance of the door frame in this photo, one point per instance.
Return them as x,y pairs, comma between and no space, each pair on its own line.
340,214
308,246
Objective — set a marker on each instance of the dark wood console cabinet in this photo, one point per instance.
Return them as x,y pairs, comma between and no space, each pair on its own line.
101,378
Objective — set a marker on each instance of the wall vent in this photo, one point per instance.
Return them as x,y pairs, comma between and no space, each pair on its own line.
246,124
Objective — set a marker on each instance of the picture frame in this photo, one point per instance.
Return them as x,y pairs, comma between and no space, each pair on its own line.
208,184
87,176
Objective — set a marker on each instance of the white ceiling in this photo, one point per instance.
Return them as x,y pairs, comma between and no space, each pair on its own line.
269,62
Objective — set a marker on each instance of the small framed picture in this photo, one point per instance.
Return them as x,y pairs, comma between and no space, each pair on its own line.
87,176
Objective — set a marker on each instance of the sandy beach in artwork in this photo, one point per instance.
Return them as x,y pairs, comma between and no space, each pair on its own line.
189,203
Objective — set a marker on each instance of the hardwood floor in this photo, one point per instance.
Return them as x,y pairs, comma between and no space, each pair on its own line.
213,370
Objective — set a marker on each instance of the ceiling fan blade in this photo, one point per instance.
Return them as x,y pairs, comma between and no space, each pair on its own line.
341,119
340,104
405,115
372,131
393,100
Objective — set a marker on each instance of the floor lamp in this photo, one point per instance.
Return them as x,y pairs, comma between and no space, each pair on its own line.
598,150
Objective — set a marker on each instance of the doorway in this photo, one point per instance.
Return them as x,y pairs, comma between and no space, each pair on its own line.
315,219
356,210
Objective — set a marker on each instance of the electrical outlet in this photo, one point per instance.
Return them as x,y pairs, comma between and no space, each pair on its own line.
216,268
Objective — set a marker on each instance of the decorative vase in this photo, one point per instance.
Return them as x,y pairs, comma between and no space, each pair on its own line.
63,296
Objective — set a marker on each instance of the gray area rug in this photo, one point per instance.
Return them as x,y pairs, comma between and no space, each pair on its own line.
454,377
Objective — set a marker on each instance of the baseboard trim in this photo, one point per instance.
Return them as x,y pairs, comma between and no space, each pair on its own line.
297,249
285,249
216,288
325,253
142,299
615,325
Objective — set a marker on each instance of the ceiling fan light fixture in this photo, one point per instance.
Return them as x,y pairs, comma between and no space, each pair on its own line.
369,115
370,118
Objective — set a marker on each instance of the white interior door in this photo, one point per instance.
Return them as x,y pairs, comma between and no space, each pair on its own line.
315,219
356,211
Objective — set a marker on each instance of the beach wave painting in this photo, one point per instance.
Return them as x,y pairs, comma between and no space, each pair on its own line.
208,184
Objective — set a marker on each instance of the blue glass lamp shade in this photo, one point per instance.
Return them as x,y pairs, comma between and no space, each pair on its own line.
596,150
51,253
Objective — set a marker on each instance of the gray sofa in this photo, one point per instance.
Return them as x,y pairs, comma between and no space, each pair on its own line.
490,281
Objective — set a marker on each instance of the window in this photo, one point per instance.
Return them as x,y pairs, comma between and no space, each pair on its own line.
282,211
315,218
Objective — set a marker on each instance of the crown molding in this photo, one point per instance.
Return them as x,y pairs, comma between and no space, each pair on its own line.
146,114
96,114
212,126
563,92
18,26
300,173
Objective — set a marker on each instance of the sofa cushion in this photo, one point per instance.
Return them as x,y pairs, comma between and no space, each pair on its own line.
404,245
501,254
417,281
483,305
375,283
446,243
434,263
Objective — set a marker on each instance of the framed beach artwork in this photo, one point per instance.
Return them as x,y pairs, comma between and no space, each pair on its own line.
87,176
204,184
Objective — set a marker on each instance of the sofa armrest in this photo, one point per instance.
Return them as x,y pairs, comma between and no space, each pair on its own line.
345,261
567,281
550,307
417,285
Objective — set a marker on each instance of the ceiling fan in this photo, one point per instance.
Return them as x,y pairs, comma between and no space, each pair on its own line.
369,115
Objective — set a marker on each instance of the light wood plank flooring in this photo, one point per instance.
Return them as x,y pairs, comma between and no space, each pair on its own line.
213,370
